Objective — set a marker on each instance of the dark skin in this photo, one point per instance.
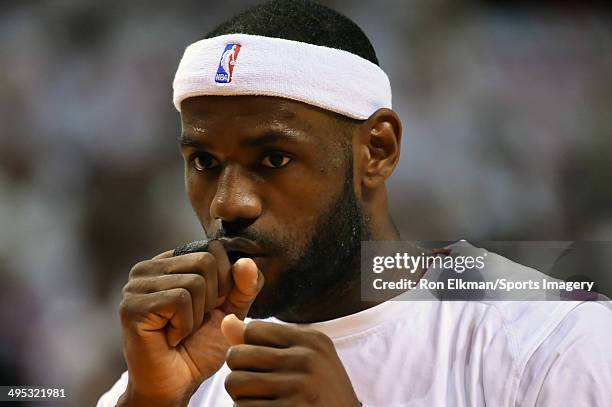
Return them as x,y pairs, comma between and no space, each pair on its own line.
267,165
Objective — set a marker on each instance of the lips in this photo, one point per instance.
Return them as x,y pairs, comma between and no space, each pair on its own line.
239,247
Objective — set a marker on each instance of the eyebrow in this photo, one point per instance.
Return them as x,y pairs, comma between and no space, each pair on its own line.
185,140
267,137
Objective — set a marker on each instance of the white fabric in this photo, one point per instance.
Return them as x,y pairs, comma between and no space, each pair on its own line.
472,354
329,78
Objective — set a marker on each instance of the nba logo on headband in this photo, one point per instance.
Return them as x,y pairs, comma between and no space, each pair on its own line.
226,65
278,67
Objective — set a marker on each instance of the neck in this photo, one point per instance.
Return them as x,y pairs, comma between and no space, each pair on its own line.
346,299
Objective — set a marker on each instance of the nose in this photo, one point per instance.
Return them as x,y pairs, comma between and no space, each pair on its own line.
236,199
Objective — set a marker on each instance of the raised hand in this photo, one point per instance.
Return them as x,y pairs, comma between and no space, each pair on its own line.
171,316
282,365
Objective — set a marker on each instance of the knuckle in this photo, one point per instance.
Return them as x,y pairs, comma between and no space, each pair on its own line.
123,309
204,261
190,282
135,285
182,295
300,358
294,383
125,291
139,268
233,356
231,383
196,281
127,309
251,329
319,340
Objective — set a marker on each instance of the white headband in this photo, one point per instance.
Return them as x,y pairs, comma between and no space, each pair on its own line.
242,64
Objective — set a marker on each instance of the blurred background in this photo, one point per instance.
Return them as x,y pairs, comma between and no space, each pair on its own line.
507,111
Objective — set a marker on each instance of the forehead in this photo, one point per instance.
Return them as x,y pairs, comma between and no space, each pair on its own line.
207,112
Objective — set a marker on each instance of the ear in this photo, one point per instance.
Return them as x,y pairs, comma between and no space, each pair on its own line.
379,147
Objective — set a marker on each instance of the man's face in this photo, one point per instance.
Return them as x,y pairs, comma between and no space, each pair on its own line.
279,173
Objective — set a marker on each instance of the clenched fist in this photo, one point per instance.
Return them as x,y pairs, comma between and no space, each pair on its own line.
171,316
281,365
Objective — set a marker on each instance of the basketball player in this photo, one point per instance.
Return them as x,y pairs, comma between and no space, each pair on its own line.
288,138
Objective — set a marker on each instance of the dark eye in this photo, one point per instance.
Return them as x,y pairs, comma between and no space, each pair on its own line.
204,162
275,159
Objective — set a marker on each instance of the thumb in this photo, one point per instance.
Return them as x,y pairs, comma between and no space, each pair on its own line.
248,281
233,329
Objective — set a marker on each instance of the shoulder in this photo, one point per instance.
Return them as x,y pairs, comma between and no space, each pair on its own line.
536,326
573,363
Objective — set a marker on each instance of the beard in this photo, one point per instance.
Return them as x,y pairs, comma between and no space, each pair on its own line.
328,264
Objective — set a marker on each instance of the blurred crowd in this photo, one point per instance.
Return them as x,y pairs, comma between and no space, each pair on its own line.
507,114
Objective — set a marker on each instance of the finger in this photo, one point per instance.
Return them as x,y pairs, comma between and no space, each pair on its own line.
282,336
181,323
232,329
188,263
204,264
243,384
248,281
269,334
215,266
170,309
224,266
164,255
194,283
265,359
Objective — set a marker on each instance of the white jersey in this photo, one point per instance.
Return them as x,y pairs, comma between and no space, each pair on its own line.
459,353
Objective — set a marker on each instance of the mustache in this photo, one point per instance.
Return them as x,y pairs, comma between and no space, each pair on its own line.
202,245
261,239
